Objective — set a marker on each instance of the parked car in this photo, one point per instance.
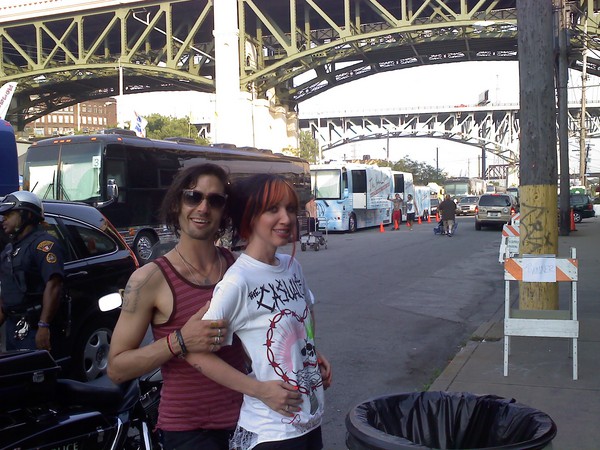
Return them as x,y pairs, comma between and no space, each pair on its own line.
583,207
466,205
97,262
494,210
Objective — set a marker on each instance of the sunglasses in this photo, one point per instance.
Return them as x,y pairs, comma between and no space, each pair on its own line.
194,198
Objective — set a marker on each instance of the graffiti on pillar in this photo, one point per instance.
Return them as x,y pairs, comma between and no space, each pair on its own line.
535,237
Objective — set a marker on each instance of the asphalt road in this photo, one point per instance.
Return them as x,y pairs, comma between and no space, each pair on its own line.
395,307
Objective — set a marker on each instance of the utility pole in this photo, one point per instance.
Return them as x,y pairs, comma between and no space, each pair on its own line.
563,119
538,160
583,128
387,147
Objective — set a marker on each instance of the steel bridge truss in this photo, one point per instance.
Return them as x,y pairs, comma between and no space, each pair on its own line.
494,129
60,60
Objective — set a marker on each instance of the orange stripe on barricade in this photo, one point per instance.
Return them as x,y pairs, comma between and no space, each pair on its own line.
509,230
566,269
513,268
561,276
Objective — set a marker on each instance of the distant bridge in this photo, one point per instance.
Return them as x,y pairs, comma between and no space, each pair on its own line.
492,128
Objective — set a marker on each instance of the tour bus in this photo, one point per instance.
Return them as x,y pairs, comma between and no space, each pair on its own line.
402,183
352,195
127,176
422,202
9,173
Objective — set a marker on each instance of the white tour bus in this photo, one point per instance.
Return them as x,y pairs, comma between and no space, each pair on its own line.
351,196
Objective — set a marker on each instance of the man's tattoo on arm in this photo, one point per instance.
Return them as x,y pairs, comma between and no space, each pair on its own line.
197,366
132,294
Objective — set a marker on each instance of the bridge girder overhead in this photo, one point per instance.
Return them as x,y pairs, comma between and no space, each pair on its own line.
64,57
343,41
62,60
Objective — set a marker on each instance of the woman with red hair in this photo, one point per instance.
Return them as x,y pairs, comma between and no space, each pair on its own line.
265,298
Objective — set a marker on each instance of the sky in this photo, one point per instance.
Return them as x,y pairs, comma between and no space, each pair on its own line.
440,85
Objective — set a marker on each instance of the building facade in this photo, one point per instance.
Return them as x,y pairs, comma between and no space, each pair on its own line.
87,117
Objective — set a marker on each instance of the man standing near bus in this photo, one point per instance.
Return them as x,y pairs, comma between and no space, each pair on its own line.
311,209
448,210
397,211
411,211
171,294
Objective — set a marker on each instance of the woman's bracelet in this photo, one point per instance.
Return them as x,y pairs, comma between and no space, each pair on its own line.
181,343
42,324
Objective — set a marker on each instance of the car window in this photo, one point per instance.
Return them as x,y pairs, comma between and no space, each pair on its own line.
494,200
89,241
578,199
51,226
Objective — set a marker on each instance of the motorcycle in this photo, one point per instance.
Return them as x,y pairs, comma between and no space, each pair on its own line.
41,411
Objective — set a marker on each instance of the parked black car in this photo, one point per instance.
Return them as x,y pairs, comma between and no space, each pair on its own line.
97,262
583,207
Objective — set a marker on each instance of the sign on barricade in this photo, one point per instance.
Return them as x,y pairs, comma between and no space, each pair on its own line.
509,245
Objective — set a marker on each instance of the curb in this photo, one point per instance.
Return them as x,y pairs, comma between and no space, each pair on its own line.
486,331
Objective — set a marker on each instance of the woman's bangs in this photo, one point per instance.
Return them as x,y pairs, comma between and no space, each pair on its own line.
277,191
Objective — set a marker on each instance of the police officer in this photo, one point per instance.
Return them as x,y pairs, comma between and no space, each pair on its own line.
31,273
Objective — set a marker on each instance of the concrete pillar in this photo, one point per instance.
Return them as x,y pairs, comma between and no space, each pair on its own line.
241,119
232,121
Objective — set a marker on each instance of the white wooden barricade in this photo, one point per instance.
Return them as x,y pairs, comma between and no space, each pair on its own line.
509,243
541,323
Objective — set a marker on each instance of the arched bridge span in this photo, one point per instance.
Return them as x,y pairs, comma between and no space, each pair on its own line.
69,50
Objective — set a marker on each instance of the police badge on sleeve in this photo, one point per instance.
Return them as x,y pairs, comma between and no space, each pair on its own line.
45,246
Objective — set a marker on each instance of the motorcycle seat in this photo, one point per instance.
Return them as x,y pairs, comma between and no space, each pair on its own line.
101,394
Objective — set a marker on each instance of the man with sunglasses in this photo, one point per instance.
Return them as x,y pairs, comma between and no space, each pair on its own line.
171,294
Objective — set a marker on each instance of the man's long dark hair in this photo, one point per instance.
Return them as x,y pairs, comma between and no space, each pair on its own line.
186,179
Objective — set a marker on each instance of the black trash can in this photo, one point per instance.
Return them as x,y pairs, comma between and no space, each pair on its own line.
447,420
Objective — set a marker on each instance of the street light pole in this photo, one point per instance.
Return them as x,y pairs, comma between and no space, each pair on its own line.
387,147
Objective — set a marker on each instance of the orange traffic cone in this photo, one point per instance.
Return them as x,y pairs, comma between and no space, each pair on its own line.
428,218
437,217
572,221
419,220
381,229
396,224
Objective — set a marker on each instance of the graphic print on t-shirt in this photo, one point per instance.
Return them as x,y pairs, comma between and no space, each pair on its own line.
288,332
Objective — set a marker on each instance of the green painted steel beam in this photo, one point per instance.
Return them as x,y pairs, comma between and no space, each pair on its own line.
296,48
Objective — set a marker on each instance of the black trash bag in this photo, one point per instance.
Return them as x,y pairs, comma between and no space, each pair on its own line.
447,420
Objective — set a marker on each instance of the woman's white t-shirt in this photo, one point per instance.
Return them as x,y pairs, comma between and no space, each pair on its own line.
269,308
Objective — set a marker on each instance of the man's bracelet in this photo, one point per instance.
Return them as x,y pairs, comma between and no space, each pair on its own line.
169,345
42,324
181,343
